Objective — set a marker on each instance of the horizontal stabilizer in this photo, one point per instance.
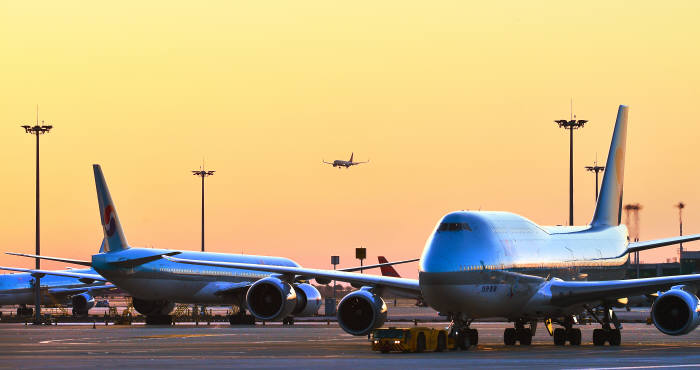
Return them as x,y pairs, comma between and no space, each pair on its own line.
651,244
84,277
67,260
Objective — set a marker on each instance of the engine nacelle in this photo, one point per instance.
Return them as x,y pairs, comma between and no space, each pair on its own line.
158,307
82,303
271,299
361,312
308,300
676,312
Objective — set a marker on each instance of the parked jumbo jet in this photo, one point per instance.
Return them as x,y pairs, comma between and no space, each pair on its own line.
498,264
75,286
156,284
347,164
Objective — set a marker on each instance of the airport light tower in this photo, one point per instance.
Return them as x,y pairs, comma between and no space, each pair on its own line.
203,173
37,130
571,125
680,207
595,168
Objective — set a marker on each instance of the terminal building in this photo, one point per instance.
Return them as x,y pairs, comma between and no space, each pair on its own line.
689,264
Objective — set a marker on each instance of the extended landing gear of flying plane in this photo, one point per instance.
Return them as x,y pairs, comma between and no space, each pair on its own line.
463,334
608,334
519,334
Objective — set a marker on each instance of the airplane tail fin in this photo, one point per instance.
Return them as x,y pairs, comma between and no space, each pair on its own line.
387,270
351,155
608,210
114,235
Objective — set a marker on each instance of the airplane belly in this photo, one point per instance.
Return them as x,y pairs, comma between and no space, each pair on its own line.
180,291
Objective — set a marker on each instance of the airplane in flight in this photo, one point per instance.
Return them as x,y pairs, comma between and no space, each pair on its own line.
77,286
156,284
478,264
347,164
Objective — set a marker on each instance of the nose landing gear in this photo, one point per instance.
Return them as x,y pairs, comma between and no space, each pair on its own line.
463,334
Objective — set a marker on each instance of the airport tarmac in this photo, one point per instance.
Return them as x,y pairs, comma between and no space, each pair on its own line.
318,346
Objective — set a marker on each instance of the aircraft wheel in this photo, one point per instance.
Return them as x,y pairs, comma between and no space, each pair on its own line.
463,340
599,337
509,337
474,336
559,336
615,337
574,336
524,336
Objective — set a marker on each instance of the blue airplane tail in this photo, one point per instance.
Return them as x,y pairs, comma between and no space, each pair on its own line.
608,210
114,239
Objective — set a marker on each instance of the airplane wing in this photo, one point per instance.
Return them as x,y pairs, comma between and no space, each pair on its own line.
351,269
407,286
567,293
83,277
326,162
650,244
67,260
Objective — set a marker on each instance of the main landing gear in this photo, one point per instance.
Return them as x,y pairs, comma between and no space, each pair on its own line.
566,334
607,333
463,334
519,334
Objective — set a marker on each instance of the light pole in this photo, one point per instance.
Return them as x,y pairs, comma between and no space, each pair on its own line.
571,125
680,207
202,173
335,261
595,168
37,130
361,254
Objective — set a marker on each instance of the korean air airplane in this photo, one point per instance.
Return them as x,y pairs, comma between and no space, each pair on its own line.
58,287
156,284
502,265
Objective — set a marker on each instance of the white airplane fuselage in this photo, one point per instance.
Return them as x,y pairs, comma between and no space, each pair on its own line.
462,262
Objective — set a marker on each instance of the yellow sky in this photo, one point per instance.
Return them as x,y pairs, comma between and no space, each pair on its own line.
453,102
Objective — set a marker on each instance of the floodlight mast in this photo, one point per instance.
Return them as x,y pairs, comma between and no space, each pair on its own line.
37,130
203,173
571,125
595,168
680,207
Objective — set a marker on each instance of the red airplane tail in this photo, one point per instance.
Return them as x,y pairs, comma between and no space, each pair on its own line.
387,270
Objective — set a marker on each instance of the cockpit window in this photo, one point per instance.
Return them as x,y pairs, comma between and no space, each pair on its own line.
454,226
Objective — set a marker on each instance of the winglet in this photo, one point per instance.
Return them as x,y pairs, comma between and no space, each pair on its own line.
114,235
608,210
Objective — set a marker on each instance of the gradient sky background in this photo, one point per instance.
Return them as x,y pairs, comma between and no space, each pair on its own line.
452,101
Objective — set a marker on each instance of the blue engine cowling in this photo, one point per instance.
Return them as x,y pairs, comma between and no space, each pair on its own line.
82,303
361,311
271,299
308,300
676,312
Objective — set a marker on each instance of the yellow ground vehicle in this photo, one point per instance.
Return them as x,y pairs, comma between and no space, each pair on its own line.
416,339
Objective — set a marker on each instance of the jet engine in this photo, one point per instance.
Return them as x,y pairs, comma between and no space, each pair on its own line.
361,312
82,303
308,300
676,312
159,307
271,299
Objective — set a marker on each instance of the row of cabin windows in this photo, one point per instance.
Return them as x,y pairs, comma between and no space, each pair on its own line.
454,226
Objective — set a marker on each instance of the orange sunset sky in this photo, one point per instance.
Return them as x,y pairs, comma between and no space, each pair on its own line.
453,102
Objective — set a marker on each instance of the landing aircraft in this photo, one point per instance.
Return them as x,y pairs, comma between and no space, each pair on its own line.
156,284
347,164
76,286
501,265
